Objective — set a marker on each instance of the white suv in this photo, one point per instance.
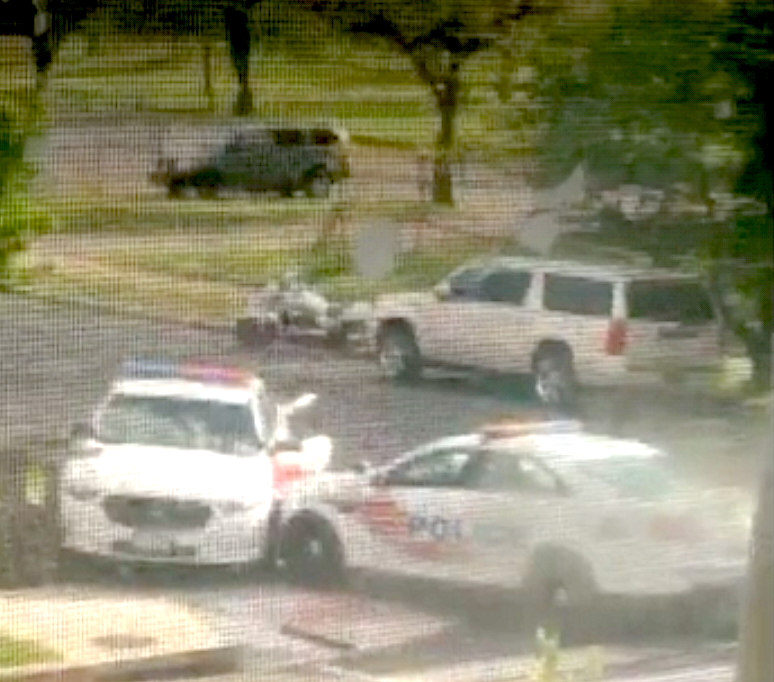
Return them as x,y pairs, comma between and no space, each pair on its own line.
564,323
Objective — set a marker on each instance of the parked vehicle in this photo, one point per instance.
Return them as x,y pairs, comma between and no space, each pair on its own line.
545,507
284,160
184,464
295,308
566,324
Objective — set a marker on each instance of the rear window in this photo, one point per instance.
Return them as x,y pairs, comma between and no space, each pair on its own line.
662,301
577,295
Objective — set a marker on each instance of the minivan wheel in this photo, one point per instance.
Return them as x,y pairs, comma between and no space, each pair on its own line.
319,186
311,553
554,378
399,356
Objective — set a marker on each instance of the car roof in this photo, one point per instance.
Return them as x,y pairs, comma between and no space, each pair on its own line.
606,271
575,448
184,389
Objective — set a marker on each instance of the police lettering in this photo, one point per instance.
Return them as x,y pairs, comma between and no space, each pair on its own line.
435,528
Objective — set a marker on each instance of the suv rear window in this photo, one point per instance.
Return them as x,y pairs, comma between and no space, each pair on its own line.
577,295
664,301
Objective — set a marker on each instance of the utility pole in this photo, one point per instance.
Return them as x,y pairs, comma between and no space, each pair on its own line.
756,660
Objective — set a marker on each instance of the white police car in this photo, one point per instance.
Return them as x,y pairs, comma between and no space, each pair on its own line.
182,463
548,507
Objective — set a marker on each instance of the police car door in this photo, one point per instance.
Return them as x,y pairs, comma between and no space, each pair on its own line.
416,516
519,504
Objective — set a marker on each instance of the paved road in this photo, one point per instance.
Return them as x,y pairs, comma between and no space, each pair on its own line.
55,362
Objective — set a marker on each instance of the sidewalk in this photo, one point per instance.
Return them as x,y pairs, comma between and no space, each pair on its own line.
91,629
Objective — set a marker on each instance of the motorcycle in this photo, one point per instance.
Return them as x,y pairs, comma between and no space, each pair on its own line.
294,308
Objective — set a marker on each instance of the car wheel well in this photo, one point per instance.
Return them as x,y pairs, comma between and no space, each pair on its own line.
554,347
394,324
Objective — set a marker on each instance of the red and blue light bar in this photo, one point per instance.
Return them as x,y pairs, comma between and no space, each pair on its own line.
188,371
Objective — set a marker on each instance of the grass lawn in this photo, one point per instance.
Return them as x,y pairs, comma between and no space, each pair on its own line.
15,652
200,276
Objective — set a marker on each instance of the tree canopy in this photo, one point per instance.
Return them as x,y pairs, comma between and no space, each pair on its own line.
437,37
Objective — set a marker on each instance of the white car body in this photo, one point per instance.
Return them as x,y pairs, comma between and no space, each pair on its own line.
619,325
160,502
495,533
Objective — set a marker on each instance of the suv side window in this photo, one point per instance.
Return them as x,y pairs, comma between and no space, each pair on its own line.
577,295
506,286
466,283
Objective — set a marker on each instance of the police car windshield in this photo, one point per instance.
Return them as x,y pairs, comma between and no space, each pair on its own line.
165,421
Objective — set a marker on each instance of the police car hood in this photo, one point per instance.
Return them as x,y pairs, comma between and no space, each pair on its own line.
152,471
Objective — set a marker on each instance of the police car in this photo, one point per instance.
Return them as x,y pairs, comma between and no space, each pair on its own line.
564,514
183,463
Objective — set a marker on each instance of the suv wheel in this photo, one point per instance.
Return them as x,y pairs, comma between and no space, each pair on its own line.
319,186
399,356
554,377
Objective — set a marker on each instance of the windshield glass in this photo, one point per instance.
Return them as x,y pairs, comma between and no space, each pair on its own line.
640,478
179,423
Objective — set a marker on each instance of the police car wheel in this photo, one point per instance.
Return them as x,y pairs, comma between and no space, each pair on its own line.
558,583
311,552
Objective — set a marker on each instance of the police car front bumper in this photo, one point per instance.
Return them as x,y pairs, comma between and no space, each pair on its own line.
226,539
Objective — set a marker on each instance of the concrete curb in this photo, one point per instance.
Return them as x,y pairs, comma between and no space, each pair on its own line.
131,312
214,661
336,643
135,313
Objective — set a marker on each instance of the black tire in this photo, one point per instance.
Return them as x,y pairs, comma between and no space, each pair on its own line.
553,376
318,186
311,552
399,355
251,334
175,189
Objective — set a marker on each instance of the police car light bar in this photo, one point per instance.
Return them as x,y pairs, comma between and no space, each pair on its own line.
156,369
514,429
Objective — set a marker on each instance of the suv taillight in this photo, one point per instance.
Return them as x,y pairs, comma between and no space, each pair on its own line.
615,341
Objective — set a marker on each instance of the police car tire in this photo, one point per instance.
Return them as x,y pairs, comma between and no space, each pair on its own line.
326,569
552,571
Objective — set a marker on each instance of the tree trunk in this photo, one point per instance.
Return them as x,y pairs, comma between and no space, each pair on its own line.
207,65
240,42
756,662
447,98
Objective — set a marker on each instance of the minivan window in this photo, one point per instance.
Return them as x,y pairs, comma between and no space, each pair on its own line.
662,301
577,295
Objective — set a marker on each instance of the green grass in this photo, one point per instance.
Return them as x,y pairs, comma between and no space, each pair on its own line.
372,94
16,653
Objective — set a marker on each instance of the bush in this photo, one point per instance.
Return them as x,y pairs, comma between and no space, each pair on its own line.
18,218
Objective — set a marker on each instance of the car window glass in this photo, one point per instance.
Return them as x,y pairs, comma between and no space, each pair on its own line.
506,286
466,283
669,301
577,295
288,137
509,471
444,468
